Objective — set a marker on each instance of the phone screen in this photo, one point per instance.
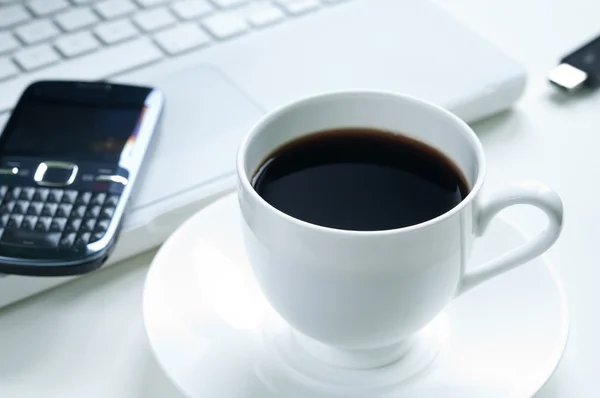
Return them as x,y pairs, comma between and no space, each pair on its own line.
79,131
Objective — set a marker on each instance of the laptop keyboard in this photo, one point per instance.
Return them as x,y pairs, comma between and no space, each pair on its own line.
100,38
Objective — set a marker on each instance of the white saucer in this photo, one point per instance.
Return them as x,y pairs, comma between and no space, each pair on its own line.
215,336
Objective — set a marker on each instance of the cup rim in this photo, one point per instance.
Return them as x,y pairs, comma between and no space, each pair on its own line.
246,183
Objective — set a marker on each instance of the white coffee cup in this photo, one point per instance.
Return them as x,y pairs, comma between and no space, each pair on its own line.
359,296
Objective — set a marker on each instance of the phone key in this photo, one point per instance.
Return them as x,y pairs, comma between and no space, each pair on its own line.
55,195
84,198
78,212
64,210
21,207
15,193
49,209
112,200
88,225
98,199
7,207
76,44
82,239
108,212
14,221
3,190
43,224
67,240
73,225
181,38
29,223
30,238
27,193
35,57
102,225
58,224
93,212
41,194
35,208
69,196
96,236
4,220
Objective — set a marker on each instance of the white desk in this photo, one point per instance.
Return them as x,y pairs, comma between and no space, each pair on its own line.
86,339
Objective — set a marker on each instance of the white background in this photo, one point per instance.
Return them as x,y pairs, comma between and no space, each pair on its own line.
86,339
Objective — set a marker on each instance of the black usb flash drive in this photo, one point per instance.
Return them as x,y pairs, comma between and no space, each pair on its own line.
579,69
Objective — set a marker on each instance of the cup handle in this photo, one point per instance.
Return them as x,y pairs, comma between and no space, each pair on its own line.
528,193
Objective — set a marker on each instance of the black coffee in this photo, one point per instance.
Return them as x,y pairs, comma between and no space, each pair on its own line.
360,179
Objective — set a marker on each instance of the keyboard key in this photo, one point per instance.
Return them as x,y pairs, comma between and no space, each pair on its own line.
182,38
299,7
55,195
76,44
69,196
82,239
41,194
29,223
112,32
13,15
98,199
7,207
49,209
14,221
76,19
88,225
229,3
84,198
93,212
110,9
30,238
43,224
35,208
7,68
266,16
154,19
102,225
96,236
37,31
58,224
27,193
82,1
46,7
78,211
73,225
21,207
224,26
64,210
36,57
191,9
112,200
67,240
150,3
107,212
7,42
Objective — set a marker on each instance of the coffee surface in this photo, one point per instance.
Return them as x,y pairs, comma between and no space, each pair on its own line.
360,179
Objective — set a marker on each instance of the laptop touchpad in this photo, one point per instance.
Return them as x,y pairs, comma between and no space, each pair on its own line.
204,120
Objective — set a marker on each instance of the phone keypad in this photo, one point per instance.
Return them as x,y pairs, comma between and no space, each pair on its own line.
54,217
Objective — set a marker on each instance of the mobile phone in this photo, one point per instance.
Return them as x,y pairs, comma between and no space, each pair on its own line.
70,155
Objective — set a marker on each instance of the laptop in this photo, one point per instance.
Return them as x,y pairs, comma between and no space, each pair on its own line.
223,63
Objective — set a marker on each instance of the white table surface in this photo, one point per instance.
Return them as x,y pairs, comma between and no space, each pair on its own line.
86,339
